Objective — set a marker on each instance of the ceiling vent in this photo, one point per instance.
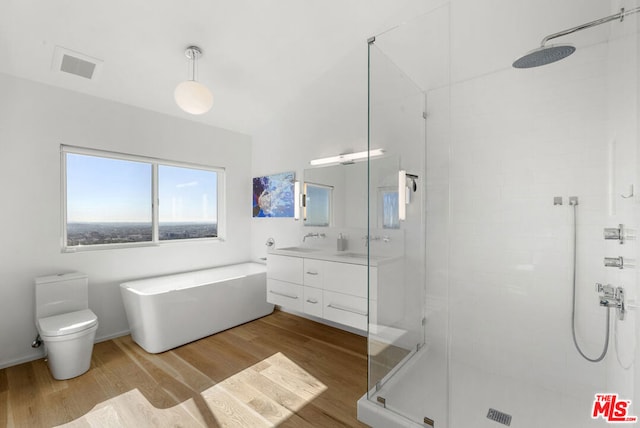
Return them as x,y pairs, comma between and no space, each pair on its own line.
76,63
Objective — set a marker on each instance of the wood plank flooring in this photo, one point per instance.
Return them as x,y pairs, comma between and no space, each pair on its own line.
280,370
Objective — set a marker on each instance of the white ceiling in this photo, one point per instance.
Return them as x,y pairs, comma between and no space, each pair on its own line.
258,54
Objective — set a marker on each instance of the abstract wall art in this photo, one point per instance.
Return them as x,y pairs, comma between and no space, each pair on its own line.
273,195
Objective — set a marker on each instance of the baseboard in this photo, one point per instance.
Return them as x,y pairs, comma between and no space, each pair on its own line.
22,360
112,336
40,353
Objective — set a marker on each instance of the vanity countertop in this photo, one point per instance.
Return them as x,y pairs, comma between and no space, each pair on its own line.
332,255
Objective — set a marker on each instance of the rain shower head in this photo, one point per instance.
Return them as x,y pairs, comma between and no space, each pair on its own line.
544,55
547,54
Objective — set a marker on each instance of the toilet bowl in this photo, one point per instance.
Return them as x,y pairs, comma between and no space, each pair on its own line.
68,340
65,323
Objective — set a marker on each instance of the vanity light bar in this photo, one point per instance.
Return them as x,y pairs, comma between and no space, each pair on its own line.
347,157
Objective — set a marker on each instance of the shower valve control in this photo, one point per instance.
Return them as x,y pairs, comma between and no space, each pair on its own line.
612,297
615,233
614,262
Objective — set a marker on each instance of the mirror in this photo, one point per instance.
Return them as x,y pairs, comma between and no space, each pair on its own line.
336,195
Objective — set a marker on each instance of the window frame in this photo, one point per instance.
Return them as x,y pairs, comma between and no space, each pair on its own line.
154,198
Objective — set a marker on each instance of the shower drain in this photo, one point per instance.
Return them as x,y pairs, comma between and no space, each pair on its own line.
498,416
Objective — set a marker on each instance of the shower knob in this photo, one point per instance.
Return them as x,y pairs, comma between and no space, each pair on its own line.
614,233
614,262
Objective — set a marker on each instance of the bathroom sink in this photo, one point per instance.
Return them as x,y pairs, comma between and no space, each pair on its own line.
299,249
353,255
362,256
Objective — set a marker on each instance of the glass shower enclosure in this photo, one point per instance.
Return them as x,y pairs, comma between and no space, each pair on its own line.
510,297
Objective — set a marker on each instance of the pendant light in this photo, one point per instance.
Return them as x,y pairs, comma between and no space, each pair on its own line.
192,96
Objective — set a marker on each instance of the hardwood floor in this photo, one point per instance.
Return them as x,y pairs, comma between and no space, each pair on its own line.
280,370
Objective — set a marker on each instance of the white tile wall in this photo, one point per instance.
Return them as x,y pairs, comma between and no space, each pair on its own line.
517,140
500,144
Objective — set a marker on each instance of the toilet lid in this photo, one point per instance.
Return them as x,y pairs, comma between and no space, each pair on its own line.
63,324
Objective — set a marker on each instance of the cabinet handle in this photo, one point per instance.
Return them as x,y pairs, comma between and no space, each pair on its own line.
346,309
283,294
312,273
314,301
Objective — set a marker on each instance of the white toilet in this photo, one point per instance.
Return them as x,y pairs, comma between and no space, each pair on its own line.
65,323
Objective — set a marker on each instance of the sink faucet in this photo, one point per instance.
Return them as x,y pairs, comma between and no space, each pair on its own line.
313,235
369,238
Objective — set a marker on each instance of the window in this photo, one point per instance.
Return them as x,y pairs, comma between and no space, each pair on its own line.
108,200
389,205
317,209
188,203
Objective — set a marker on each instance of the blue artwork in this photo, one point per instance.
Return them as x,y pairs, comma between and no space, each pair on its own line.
273,195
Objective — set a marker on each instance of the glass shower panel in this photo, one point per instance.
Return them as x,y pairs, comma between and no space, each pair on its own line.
407,298
521,172
396,271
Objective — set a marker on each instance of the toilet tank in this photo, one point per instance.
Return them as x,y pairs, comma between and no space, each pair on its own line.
59,294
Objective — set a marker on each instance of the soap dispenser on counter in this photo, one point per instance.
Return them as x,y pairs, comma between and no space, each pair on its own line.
342,242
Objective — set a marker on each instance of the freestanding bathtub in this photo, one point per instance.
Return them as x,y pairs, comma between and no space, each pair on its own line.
168,311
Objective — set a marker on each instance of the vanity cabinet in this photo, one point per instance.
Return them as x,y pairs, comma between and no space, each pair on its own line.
284,282
335,291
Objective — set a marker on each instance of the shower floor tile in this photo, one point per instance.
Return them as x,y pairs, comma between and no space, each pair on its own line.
419,390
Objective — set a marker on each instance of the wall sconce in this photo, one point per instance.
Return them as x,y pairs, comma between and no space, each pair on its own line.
347,158
190,95
405,191
297,201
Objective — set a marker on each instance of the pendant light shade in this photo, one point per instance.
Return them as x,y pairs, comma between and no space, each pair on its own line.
190,95
193,97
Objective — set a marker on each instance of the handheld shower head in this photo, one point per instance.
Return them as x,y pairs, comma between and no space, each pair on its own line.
544,55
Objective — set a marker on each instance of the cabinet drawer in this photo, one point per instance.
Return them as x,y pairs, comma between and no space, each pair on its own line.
313,272
312,301
344,309
346,278
284,294
284,268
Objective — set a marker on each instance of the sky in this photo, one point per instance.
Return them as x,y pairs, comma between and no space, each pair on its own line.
113,190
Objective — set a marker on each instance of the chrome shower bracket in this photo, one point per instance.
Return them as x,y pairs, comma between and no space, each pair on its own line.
612,297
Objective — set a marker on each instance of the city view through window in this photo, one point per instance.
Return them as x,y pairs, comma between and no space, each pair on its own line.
109,201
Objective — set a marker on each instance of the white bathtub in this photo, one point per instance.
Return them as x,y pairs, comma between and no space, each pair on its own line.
169,311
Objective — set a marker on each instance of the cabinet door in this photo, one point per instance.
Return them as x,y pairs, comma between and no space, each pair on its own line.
346,278
284,268
345,309
284,294
312,301
313,272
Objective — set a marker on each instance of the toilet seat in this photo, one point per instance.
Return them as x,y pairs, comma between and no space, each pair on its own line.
67,324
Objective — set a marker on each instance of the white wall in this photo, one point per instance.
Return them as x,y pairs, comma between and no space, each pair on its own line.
329,117
34,120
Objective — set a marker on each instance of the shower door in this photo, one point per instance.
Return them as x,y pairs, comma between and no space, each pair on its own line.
407,317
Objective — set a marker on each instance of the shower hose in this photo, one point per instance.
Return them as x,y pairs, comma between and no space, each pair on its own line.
573,307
